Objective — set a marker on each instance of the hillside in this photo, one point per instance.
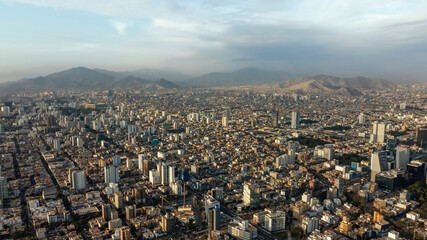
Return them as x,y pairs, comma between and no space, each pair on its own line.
331,84
241,77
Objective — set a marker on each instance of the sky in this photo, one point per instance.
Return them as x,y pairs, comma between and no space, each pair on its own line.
382,38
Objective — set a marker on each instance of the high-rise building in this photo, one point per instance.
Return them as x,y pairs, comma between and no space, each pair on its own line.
381,133
218,193
167,223
289,158
339,184
116,160
124,233
177,188
114,214
251,194
295,120
275,119
5,110
390,180
282,161
378,164
115,223
422,136
405,196
292,148
78,179
138,194
129,163
118,200
362,118
275,221
224,121
378,132
106,211
56,144
164,174
326,152
96,125
213,220
197,209
50,120
171,173
148,165
306,197
111,174
212,209
402,157
3,188
141,158
130,212
227,113
416,171
310,224
79,142
154,177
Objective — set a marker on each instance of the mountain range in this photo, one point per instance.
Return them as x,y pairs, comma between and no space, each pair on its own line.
84,78
336,85
241,77
97,79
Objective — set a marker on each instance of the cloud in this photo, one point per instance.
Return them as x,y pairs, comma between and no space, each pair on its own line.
244,59
315,34
120,27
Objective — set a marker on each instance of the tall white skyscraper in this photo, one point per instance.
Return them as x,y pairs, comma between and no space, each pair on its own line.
381,133
224,121
111,174
295,120
362,118
378,132
78,179
402,157
164,174
171,171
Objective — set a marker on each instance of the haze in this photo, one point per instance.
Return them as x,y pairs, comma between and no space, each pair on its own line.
380,39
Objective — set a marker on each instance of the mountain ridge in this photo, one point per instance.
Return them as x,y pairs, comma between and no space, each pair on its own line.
98,79
241,77
85,78
339,85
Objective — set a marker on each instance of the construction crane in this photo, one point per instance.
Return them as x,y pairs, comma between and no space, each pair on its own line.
184,194
36,225
163,199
